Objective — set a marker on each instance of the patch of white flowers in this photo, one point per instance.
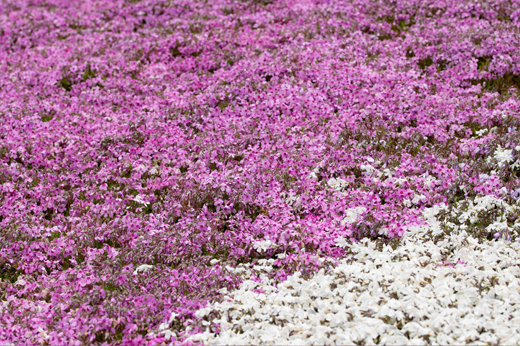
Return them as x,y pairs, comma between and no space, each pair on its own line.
263,245
454,291
139,199
516,194
337,184
352,215
290,198
368,168
415,200
143,268
503,156
481,132
481,205
164,327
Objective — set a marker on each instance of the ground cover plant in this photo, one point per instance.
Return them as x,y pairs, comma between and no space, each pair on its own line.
260,171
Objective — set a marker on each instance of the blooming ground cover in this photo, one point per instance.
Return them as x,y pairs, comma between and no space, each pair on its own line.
265,171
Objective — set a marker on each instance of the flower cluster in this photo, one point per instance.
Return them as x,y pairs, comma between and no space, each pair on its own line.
419,293
148,148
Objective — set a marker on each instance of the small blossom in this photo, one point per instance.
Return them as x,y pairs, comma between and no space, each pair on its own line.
143,268
262,245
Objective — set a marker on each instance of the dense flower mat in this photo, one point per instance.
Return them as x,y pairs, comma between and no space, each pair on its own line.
157,158
409,295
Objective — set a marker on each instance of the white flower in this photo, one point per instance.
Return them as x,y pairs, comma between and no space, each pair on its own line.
341,242
481,132
262,245
140,168
368,168
291,198
503,155
465,255
389,173
498,226
483,177
337,184
20,282
155,231
43,332
399,181
143,268
139,199
168,334
516,194
202,312
352,215
418,198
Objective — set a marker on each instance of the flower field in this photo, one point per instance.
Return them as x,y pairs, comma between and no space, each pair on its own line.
259,172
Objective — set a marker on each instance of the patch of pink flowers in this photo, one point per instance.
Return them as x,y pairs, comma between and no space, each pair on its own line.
148,146
449,264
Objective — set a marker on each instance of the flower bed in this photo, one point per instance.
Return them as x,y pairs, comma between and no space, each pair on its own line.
456,290
157,156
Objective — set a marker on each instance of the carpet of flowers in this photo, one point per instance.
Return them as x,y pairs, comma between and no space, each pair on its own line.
259,172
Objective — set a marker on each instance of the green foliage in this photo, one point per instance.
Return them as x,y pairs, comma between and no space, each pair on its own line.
48,214
456,196
428,61
222,104
424,63
473,126
48,116
112,242
88,73
501,85
9,272
483,63
66,83
174,51
54,235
